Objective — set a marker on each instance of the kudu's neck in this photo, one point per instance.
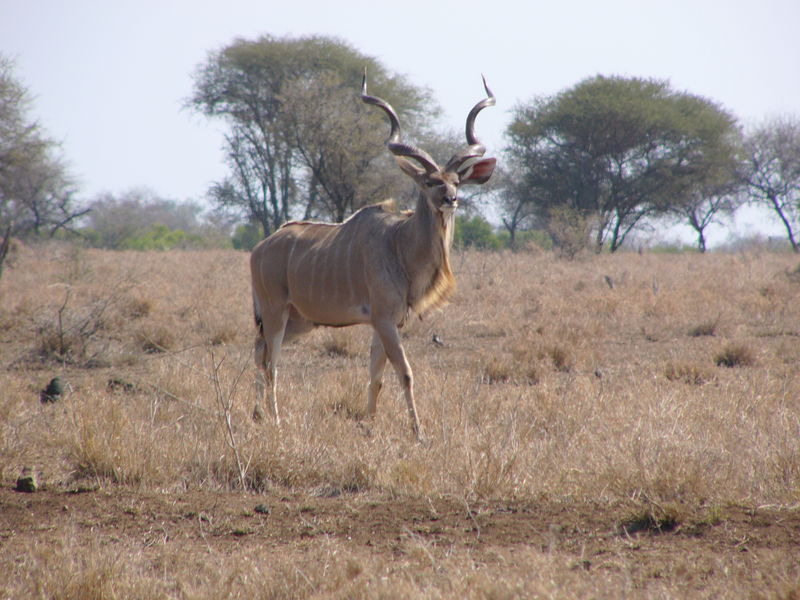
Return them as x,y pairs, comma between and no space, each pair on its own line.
425,240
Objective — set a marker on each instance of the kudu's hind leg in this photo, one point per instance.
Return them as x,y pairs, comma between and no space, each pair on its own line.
267,352
377,363
261,355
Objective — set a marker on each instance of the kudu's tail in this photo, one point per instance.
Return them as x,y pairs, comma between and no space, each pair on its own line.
257,315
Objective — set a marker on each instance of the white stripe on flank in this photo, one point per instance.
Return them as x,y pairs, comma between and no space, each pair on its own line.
348,263
300,281
324,249
291,251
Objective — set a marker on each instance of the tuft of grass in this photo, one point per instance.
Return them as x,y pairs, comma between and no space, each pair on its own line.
735,355
561,358
153,339
342,393
492,472
497,370
137,308
340,343
793,274
356,476
653,518
686,372
410,476
706,328
221,335
532,376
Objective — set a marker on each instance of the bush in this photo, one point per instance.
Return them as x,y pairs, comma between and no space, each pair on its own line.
475,232
157,237
246,236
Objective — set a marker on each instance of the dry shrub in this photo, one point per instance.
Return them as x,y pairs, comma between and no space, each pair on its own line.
71,331
54,343
735,355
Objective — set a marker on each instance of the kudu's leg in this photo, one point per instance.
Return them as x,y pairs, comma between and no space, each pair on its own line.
377,362
267,352
261,355
390,338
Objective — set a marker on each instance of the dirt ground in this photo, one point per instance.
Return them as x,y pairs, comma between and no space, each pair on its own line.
591,537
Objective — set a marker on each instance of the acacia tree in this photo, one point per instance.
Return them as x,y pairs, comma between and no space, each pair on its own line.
36,194
299,140
708,205
772,171
613,151
338,147
517,204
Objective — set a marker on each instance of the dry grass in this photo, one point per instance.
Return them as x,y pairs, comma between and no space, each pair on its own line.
550,384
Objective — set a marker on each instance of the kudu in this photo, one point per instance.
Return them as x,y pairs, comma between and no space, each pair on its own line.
377,267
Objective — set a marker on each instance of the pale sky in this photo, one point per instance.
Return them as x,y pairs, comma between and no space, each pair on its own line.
109,78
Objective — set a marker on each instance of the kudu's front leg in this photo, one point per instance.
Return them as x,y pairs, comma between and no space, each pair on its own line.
389,336
377,363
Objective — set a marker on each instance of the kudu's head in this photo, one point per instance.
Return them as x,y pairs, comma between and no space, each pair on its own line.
439,185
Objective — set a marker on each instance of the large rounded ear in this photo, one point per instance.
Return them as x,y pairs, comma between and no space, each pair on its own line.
477,172
410,168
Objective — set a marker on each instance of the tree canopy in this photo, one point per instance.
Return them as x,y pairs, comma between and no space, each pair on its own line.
771,171
299,140
609,152
140,219
36,193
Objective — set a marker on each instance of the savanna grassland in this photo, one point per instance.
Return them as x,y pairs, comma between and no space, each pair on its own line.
619,425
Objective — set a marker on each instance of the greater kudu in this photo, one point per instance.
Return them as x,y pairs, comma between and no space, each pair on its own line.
377,267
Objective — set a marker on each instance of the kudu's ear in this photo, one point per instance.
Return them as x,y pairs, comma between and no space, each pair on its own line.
477,172
410,168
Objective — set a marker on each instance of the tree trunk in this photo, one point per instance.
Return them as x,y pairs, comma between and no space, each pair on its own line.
4,246
790,234
701,241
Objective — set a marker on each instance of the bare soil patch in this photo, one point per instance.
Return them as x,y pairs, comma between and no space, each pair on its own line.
585,537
